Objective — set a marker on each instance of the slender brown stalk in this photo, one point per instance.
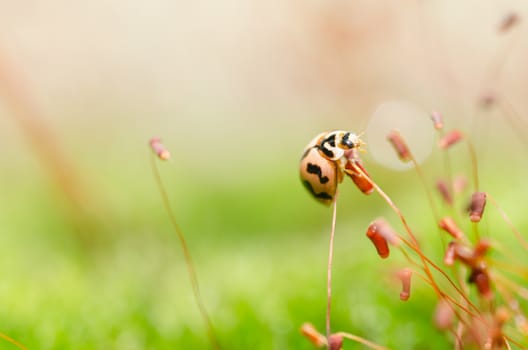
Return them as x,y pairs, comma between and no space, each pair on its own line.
362,341
427,190
447,297
474,164
429,194
514,119
329,269
416,248
12,341
187,255
506,342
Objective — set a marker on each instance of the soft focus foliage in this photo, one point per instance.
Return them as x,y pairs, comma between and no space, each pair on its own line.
236,89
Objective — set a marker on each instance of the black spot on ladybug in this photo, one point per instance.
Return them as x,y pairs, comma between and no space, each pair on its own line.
321,195
345,141
326,151
331,140
316,169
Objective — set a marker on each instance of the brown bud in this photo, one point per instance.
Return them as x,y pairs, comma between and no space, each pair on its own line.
405,277
465,255
444,315
335,342
487,99
508,22
450,254
378,240
502,315
450,139
316,338
361,181
448,224
397,141
159,149
438,120
480,278
445,192
477,205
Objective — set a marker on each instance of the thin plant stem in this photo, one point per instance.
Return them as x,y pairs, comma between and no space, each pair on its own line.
459,332
329,269
506,343
414,244
427,190
507,338
362,341
505,217
514,119
426,260
12,341
448,170
447,297
429,194
187,255
474,164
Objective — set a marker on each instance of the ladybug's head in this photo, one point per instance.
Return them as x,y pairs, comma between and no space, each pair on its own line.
350,140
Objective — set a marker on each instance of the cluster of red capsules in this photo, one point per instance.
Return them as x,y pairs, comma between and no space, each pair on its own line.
481,326
485,325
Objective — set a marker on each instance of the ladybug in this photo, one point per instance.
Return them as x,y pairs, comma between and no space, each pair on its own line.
325,159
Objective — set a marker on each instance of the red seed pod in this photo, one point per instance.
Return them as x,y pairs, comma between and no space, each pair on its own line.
387,232
508,22
465,255
477,205
444,315
316,338
480,278
378,240
445,192
399,145
450,139
405,277
450,254
448,224
159,149
361,181
438,120
335,342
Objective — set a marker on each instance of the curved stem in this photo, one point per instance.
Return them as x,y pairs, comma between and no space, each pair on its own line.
362,341
474,164
12,341
187,255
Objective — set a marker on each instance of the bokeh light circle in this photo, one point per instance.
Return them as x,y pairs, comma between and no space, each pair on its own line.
413,123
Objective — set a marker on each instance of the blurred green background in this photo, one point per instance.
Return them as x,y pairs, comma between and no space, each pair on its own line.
236,89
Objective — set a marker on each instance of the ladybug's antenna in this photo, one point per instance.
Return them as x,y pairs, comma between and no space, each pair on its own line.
362,144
